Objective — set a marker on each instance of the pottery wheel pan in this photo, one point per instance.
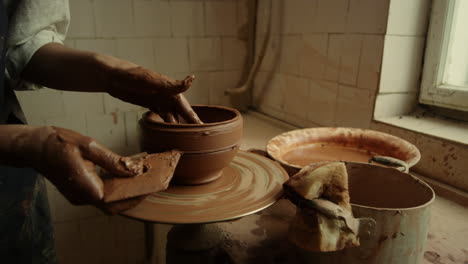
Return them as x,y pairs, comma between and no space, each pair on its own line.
249,184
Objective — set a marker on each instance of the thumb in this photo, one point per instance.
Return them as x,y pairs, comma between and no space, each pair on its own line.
111,161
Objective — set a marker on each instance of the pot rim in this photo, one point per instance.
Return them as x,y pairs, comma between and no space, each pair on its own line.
237,116
406,174
421,182
273,153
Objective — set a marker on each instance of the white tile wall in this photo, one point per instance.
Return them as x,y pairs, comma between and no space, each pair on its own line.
114,18
395,104
177,38
270,90
367,16
333,57
234,53
298,15
187,18
322,96
370,62
205,54
222,81
138,51
334,45
313,56
297,95
351,47
32,101
152,18
175,61
82,25
331,15
220,20
354,107
401,66
291,53
408,17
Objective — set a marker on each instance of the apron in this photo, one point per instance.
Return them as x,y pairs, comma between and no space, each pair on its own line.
26,233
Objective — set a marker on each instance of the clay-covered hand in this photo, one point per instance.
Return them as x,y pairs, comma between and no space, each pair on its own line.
138,85
65,157
63,68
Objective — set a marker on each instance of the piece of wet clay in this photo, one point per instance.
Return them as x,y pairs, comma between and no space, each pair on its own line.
158,170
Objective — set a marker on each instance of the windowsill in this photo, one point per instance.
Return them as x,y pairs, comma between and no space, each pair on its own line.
432,125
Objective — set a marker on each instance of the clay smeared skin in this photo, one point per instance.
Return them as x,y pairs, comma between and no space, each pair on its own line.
74,172
181,113
65,157
153,88
186,110
155,91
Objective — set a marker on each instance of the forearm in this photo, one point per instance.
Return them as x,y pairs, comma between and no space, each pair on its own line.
21,145
62,68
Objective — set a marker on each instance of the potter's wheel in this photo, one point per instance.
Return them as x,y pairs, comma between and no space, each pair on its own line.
249,184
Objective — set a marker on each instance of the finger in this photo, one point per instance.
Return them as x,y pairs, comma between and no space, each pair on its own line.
97,153
79,182
160,83
115,164
167,118
179,86
185,110
171,118
87,183
167,114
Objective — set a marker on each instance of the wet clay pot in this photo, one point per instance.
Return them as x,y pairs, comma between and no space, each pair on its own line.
298,148
207,147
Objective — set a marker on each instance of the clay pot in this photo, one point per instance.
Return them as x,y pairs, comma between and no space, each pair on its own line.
362,144
208,147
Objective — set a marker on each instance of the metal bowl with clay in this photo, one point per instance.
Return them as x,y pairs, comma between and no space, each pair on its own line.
299,148
207,147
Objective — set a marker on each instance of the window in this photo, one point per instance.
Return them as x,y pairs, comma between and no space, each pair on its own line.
445,75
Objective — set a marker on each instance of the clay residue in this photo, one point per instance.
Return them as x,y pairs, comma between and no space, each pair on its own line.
134,166
248,184
156,173
362,140
305,155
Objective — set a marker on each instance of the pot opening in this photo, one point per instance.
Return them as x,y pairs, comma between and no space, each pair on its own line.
209,114
212,114
380,187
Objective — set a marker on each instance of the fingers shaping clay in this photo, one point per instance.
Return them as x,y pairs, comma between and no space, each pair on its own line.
324,220
158,170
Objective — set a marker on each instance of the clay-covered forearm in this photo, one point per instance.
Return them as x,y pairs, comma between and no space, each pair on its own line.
22,145
59,67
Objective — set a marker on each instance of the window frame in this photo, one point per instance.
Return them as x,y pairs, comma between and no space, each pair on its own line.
433,91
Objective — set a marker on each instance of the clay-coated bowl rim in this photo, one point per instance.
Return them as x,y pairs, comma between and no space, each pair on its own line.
170,125
274,152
